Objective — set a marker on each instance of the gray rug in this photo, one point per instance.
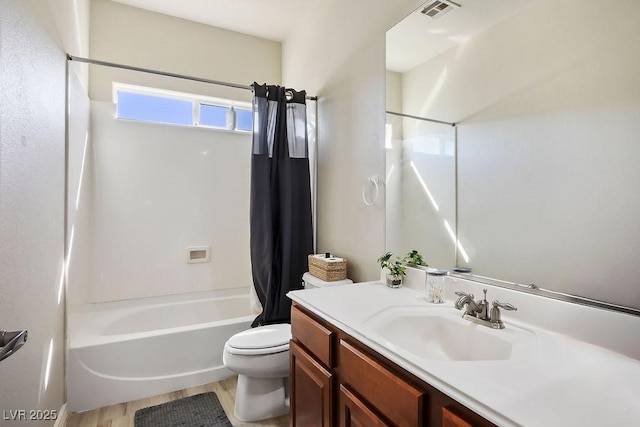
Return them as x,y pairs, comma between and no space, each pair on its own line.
201,410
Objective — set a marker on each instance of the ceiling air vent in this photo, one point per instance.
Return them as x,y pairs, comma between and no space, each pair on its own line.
438,8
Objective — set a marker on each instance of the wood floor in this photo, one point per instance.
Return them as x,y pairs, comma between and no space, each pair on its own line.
122,415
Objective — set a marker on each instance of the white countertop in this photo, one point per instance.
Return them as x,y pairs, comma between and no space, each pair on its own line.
563,382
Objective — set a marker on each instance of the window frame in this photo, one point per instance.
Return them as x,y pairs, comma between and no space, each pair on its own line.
196,100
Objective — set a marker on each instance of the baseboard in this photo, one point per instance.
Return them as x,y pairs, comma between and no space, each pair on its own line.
61,421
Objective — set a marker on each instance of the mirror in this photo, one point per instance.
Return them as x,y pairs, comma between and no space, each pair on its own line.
420,179
546,99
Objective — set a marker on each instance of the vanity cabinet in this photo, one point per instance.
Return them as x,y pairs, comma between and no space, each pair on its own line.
312,379
336,380
312,385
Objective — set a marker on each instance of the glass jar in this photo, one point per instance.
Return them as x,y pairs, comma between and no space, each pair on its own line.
435,286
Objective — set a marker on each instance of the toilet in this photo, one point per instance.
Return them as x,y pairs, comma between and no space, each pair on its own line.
260,357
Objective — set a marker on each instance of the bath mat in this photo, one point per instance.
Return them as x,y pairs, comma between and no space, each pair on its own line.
201,410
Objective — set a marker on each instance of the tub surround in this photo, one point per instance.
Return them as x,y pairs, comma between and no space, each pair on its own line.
583,368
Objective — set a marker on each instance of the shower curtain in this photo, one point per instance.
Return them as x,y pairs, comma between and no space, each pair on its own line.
280,206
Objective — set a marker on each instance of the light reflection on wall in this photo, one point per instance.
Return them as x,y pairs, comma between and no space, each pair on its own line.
46,371
424,186
461,249
62,281
84,159
433,94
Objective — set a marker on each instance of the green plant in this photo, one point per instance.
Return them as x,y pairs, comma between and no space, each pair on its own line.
395,268
384,259
414,257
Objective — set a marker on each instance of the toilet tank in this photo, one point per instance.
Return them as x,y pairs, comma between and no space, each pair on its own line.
310,281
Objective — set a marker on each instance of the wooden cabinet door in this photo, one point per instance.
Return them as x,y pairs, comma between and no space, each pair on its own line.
355,413
450,419
311,385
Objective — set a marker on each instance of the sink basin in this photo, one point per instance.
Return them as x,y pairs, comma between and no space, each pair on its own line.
441,334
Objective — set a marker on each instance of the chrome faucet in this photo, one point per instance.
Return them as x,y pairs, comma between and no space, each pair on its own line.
478,311
472,307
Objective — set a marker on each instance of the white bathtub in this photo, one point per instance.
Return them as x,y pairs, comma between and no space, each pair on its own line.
127,350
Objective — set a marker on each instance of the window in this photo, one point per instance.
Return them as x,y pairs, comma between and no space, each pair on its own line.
176,108
214,116
148,108
244,120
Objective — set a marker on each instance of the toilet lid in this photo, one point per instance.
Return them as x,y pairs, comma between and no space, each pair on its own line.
262,337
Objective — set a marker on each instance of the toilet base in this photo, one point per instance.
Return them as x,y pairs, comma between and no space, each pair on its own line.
261,398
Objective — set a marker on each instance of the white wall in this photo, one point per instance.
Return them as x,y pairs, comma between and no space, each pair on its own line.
72,23
337,51
79,188
158,189
140,38
32,178
548,104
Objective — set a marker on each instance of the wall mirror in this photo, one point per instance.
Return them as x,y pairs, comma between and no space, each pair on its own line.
541,186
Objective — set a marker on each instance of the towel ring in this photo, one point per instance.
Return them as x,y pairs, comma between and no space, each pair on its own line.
375,180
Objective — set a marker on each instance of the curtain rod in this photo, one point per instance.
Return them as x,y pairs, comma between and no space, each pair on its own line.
421,118
164,73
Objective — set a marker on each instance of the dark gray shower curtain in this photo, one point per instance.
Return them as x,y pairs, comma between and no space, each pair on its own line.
280,211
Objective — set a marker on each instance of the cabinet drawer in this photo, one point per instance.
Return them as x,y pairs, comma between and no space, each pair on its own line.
311,334
396,399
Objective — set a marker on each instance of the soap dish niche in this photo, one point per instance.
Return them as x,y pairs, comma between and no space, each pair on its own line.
197,254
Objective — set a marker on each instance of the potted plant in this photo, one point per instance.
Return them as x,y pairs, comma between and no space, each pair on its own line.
414,258
395,268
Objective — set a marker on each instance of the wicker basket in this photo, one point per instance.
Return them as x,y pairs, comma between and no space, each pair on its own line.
328,269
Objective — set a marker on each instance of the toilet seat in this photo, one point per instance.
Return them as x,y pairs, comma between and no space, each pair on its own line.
267,339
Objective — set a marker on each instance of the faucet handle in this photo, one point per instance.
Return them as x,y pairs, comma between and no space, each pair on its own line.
494,318
506,306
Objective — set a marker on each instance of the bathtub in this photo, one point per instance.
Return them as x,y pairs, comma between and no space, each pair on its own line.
126,350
